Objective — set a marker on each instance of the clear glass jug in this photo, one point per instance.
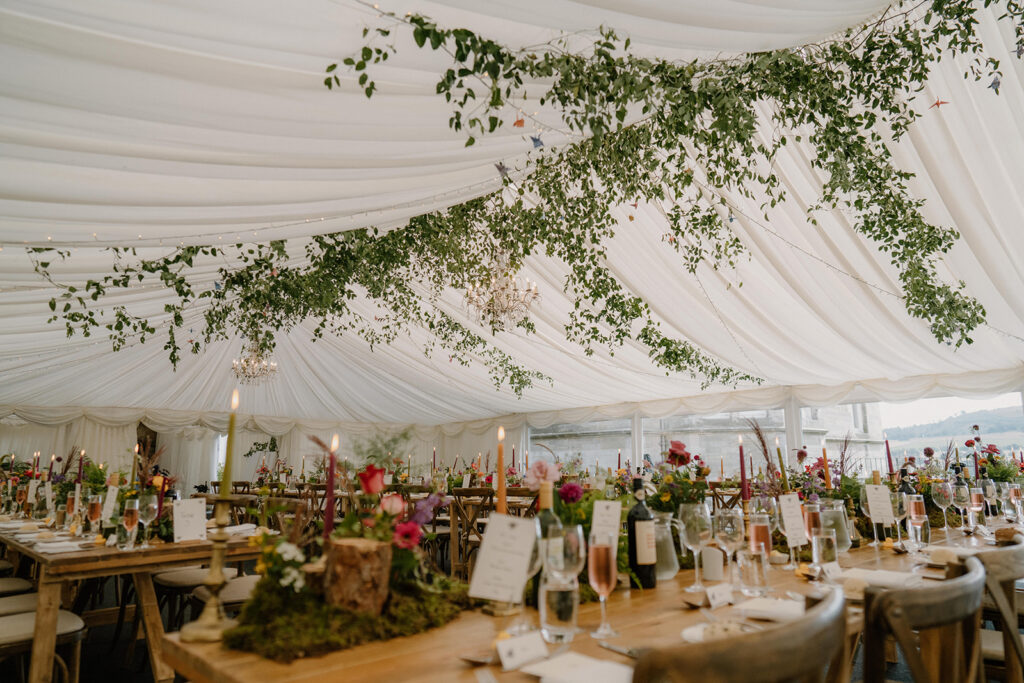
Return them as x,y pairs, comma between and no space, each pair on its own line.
833,516
666,561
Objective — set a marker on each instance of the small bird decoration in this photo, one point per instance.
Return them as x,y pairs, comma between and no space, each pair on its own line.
502,169
937,103
537,142
995,84
519,122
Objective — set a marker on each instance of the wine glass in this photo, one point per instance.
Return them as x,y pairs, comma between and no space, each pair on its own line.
942,496
729,533
147,513
93,512
522,624
899,511
1014,496
865,508
602,570
130,521
1003,494
918,517
961,501
977,505
694,533
21,496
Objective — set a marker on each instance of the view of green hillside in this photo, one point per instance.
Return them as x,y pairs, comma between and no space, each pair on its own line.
1001,426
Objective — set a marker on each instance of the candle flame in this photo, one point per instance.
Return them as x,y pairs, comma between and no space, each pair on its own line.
741,439
136,449
82,454
234,400
776,442
501,434
53,456
334,443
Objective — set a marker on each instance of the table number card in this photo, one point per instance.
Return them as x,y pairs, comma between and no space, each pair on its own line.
504,557
48,492
189,520
108,505
78,498
607,517
793,520
33,488
880,504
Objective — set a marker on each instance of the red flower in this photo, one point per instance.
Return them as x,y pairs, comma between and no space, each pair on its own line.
990,449
371,480
969,443
677,455
407,535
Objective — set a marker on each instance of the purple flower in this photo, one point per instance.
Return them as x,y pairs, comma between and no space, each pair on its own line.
424,510
571,493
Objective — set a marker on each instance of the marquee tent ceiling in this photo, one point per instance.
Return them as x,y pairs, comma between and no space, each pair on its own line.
152,125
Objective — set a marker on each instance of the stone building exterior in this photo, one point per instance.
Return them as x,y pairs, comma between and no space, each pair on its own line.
715,437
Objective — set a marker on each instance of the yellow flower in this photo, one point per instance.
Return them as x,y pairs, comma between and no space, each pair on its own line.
261,568
668,478
665,497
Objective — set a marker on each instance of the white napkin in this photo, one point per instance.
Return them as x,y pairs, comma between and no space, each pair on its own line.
61,547
572,667
960,551
240,529
881,577
772,609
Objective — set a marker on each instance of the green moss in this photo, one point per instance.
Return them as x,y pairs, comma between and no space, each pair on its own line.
282,625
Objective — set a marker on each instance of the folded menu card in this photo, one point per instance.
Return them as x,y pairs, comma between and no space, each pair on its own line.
572,667
504,557
771,609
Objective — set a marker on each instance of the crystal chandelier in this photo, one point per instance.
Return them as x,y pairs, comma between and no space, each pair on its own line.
502,302
253,367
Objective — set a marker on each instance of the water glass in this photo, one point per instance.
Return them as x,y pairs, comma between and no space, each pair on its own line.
125,536
823,547
559,599
753,570
729,534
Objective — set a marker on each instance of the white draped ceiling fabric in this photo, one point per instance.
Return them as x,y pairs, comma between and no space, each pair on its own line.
189,122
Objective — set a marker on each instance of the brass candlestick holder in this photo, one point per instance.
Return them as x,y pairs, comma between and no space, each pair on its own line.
211,624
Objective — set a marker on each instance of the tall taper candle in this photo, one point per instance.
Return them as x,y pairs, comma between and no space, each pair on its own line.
744,488
225,481
828,473
433,461
49,472
782,466
888,454
502,505
513,457
135,467
329,502
81,463
618,465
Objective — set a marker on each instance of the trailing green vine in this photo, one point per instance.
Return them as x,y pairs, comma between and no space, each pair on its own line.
678,135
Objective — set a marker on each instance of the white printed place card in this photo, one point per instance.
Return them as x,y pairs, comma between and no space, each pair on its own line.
832,571
880,504
607,517
521,650
190,520
712,563
792,520
719,595
108,505
504,557
48,493
33,489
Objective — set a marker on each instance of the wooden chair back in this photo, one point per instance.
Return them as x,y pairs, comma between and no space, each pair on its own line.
528,510
810,649
947,618
468,507
1003,568
240,486
724,499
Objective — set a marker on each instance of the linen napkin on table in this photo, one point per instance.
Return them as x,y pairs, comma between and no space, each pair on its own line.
881,577
59,547
771,609
241,529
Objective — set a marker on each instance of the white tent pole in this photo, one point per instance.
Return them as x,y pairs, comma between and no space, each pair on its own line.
637,432
794,427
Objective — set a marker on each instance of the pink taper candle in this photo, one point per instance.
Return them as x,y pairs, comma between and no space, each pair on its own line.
329,502
744,489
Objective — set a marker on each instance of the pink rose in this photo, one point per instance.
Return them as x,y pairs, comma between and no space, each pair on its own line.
407,535
541,471
392,504
371,480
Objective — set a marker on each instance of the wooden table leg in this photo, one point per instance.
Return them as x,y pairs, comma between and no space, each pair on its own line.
44,639
453,540
154,626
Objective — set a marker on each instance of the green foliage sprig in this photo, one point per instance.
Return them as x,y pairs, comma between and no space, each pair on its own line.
678,135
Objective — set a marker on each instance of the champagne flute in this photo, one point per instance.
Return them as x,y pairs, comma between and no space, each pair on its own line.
988,490
1003,494
961,501
1014,496
147,514
942,496
865,508
918,517
694,533
729,533
602,570
21,496
899,511
130,521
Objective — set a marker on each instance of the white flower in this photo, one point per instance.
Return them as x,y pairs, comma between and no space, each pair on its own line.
290,552
294,578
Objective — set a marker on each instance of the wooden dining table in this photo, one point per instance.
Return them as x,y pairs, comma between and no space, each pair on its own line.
55,570
643,618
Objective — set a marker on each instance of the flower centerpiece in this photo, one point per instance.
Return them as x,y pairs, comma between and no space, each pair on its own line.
367,580
681,478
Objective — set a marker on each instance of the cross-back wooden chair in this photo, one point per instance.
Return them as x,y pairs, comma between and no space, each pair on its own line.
524,510
1003,650
240,486
724,499
468,507
810,649
946,617
314,496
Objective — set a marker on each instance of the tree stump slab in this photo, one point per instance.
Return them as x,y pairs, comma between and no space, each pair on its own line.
358,572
